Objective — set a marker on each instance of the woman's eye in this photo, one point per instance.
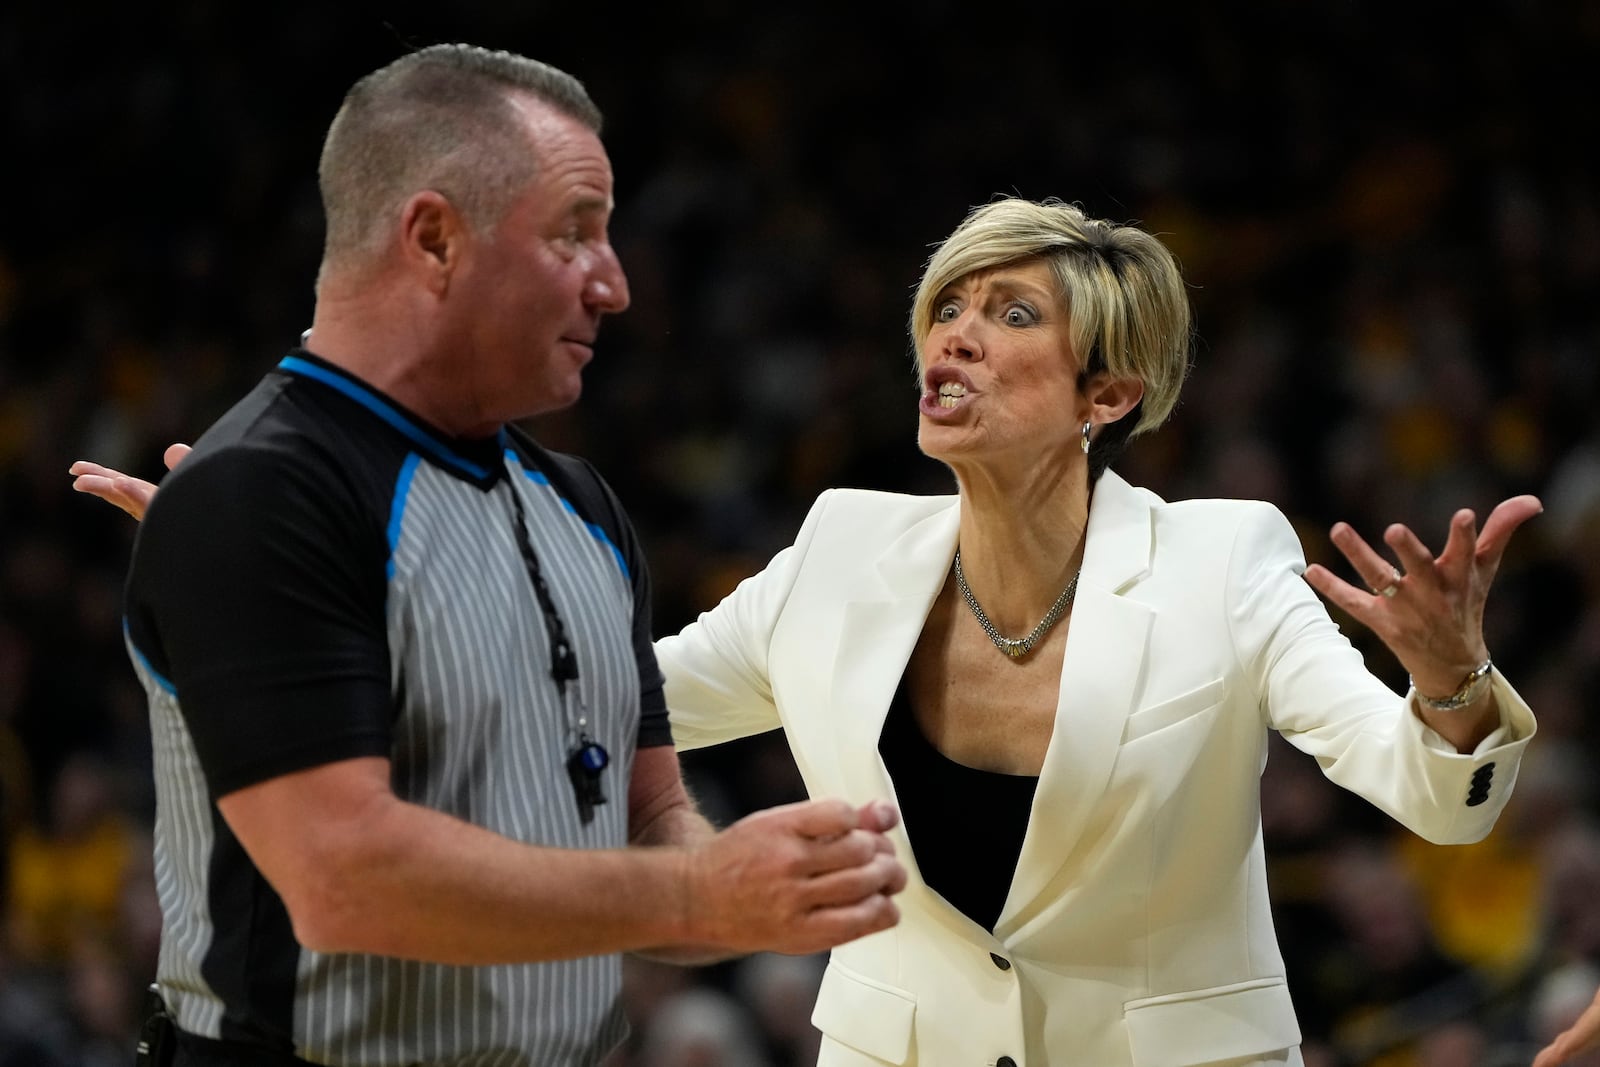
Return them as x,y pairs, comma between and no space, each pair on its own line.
946,312
1017,315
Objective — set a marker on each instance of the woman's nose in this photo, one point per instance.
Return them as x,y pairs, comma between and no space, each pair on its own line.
959,340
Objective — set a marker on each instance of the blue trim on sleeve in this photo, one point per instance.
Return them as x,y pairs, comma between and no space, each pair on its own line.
144,662
596,530
384,410
397,508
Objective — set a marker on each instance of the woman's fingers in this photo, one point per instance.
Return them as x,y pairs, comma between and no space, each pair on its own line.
1377,572
1502,522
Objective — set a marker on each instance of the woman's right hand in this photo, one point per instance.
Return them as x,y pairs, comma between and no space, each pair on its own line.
1582,1036
131,494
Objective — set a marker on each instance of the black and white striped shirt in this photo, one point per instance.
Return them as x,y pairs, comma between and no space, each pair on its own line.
327,577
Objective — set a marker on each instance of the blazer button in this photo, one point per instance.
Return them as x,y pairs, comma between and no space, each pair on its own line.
1005,1061
1000,961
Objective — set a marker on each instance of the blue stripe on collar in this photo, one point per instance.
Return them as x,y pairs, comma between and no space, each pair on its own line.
386,411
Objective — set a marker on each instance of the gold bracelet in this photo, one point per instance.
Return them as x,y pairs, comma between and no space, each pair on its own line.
1472,687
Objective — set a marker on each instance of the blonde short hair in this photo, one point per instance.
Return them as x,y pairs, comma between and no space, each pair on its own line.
1122,290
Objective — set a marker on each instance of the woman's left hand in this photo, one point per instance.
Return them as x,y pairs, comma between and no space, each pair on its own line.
1428,611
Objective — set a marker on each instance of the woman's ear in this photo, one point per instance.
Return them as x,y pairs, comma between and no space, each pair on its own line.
1111,398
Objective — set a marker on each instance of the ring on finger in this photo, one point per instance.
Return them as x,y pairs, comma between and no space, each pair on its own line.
1394,583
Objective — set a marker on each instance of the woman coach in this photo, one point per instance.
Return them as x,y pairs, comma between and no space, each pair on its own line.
1065,683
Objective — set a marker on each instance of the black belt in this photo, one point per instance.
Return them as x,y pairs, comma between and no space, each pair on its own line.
195,1051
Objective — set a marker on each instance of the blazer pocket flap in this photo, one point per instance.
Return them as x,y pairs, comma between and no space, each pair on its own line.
1223,1023
866,1015
1169,712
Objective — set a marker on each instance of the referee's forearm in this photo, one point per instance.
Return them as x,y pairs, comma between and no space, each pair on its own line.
660,809
680,824
667,815
426,886
362,871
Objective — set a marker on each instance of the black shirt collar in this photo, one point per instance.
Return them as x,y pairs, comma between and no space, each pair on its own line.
477,459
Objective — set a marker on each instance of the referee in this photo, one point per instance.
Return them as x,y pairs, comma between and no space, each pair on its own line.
409,732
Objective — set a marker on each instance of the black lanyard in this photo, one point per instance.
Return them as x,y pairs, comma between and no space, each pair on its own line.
586,757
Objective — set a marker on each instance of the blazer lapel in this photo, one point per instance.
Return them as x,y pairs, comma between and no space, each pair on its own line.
877,634
1101,667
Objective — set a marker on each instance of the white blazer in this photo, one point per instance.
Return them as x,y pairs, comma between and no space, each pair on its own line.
1137,930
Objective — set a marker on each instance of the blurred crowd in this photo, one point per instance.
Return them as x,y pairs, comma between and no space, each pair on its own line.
1390,220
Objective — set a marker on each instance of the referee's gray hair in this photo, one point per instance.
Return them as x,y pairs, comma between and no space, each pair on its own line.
439,118
1122,290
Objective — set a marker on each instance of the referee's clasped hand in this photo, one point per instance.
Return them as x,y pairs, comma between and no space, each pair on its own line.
796,879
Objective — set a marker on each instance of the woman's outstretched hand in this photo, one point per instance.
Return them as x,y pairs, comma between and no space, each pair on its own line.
1428,610
131,494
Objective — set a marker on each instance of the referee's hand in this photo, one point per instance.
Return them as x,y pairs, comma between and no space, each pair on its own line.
796,879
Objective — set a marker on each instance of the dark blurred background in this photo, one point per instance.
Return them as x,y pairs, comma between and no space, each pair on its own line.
1390,218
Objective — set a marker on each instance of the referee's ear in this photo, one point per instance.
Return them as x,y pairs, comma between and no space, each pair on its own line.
433,239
